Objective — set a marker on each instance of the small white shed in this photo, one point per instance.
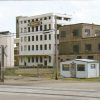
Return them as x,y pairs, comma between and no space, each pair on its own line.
80,68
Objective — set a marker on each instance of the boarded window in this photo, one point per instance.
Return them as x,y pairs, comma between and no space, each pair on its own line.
65,67
80,67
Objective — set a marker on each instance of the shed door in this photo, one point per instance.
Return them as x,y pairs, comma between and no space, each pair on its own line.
73,70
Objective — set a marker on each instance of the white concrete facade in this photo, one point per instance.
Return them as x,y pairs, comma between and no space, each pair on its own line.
37,42
88,68
7,40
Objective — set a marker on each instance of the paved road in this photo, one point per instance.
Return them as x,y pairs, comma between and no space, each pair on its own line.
45,93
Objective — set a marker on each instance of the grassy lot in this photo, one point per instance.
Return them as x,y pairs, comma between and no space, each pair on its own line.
45,73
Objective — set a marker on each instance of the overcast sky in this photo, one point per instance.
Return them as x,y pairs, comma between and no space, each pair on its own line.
87,11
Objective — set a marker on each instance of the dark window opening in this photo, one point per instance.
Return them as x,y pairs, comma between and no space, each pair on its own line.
76,32
88,47
36,28
76,48
80,67
90,57
36,37
40,37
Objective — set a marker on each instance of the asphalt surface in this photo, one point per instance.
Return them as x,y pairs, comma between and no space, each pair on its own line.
49,92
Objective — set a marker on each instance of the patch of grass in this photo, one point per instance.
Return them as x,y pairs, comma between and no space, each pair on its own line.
83,79
10,72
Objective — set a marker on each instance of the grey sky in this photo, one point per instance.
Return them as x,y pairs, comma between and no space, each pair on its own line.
87,11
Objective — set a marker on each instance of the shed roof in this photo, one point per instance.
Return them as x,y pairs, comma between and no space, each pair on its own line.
82,60
86,60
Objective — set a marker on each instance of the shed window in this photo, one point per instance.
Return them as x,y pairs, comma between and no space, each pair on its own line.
65,67
92,66
80,67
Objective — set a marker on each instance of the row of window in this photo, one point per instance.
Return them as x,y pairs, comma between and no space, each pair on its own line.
37,59
36,47
80,67
37,19
36,28
77,33
88,47
36,38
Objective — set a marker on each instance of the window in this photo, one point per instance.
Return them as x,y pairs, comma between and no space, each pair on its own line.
58,26
65,67
90,57
25,38
57,36
36,28
25,47
45,27
36,47
32,59
80,67
36,59
28,21
93,66
28,47
49,36
76,32
76,48
32,29
21,39
28,29
45,47
24,21
63,34
40,18
49,17
40,27
49,26
32,20
99,46
36,37
87,32
88,47
49,58
25,29
32,47
28,38
41,47
41,59
59,18
79,57
21,30
97,32
45,37
32,38
40,37
36,19
49,46
29,59
45,18
21,48
66,19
